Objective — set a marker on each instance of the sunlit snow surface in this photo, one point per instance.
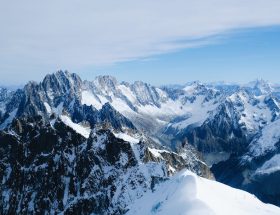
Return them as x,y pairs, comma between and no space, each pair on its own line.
126,137
85,131
188,194
89,99
48,108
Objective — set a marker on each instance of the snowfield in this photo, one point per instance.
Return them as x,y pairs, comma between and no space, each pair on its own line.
84,131
188,194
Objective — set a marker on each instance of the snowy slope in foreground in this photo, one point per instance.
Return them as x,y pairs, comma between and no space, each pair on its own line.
189,194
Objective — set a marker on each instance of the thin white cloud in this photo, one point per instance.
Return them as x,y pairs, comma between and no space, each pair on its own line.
75,34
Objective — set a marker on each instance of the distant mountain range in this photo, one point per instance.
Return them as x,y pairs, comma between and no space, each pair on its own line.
95,147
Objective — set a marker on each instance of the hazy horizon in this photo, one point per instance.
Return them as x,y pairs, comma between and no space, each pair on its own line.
182,83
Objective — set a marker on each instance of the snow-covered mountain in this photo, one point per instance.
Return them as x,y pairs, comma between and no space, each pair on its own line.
164,110
102,144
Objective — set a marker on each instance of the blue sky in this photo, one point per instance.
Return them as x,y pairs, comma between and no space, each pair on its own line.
239,56
159,42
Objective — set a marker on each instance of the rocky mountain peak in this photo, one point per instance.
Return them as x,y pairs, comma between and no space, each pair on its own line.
62,82
259,87
198,88
106,82
146,94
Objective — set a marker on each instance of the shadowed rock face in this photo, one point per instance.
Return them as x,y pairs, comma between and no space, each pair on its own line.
267,187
